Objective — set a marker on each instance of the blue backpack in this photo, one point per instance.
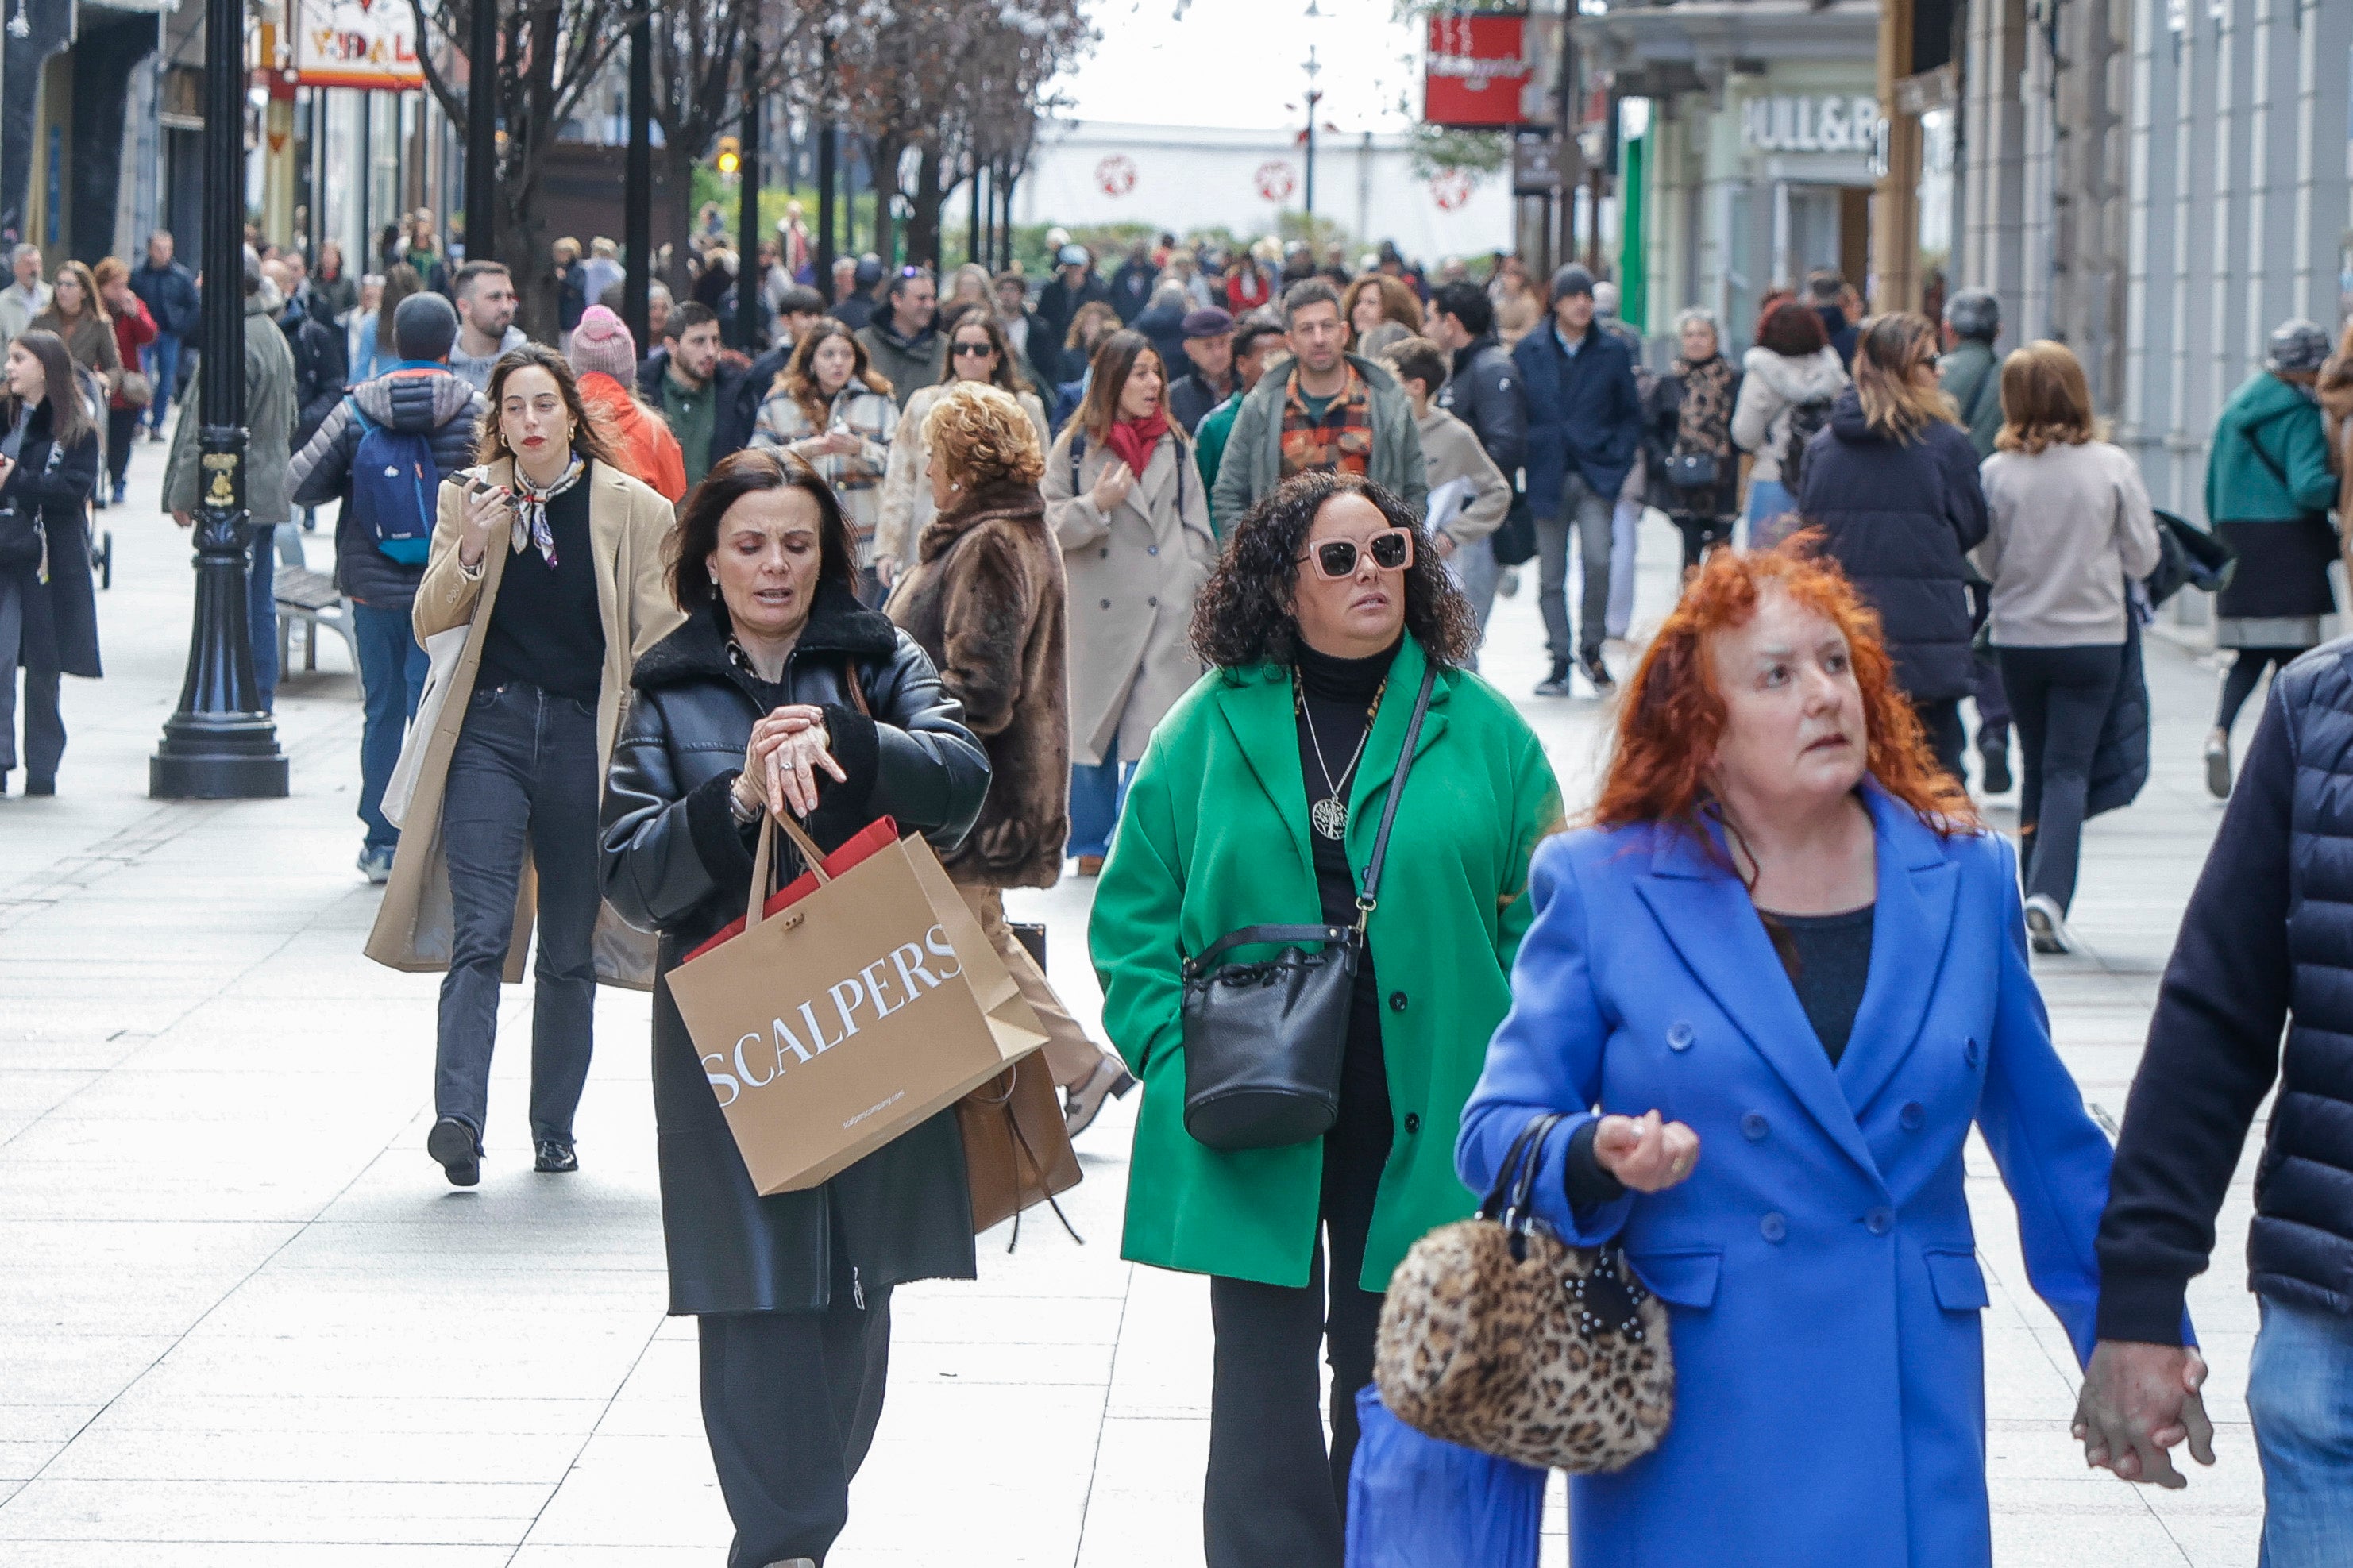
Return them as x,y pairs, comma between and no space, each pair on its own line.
395,485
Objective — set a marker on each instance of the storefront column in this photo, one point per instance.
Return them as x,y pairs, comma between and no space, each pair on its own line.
1895,281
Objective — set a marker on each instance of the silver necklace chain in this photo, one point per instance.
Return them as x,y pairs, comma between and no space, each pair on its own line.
1330,815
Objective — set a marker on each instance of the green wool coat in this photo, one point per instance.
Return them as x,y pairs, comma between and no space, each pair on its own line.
2269,462
1215,837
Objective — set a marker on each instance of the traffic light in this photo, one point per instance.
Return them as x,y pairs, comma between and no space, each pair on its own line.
730,158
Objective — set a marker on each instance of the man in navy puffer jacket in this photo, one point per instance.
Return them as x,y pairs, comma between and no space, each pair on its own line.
420,394
2266,942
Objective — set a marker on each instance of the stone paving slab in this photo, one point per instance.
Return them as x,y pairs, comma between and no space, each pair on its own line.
243,1320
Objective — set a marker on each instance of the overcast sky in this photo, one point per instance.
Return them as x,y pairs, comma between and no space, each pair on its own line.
1238,63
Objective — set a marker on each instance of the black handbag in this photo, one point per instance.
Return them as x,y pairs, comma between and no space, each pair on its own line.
1691,470
1264,1041
22,539
1514,543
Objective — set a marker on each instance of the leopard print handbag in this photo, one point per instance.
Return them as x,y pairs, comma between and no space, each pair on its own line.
1498,1336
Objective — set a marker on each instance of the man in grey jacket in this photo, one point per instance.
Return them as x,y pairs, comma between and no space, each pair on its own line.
269,411
1324,411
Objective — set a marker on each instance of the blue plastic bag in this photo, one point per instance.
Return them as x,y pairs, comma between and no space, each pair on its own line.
1418,1502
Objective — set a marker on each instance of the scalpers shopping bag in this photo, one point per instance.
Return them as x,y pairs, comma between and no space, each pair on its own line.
833,1025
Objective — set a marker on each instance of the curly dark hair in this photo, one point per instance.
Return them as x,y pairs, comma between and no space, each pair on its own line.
1244,614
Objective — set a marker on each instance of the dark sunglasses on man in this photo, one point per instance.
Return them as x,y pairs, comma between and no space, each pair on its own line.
1391,549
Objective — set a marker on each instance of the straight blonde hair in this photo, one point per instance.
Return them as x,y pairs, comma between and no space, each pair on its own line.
1888,353
2045,400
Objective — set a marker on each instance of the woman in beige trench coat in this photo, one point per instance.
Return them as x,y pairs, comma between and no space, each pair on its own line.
1136,547
520,738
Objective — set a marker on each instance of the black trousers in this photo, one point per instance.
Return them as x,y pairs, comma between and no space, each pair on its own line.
1701,533
1947,736
122,429
2060,699
2246,672
789,1402
1993,703
1275,1497
523,775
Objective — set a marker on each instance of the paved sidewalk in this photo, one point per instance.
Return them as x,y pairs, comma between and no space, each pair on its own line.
243,1320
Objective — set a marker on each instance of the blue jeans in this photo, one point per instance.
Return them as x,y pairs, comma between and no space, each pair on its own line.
1474,571
522,781
1098,795
161,360
1768,499
261,606
2300,1395
1625,535
392,678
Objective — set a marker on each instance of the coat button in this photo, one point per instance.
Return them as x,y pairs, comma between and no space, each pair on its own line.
1970,1053
1679,1036
1773,1227
1152,550
1413,1121
1397,1000
1106,603
1755,1125
1912,1115
1879,1222
1104,553
1154,602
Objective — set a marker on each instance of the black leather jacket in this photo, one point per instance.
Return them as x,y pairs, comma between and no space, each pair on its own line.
676,861
1481,392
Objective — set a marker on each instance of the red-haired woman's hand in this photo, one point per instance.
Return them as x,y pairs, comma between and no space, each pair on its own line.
1644,1153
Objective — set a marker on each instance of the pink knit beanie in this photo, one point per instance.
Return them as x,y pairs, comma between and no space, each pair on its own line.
601,342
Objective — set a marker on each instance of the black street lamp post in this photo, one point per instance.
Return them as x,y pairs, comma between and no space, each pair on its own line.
219,744
483,132
637,186
749,280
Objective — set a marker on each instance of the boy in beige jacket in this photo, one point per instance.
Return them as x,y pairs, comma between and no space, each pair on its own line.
1469,496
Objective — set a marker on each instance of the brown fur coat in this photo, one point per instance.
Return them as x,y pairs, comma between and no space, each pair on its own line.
985,597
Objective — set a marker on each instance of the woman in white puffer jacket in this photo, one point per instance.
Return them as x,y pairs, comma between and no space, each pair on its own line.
1792,369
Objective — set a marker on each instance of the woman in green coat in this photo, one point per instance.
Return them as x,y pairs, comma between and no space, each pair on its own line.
1258,802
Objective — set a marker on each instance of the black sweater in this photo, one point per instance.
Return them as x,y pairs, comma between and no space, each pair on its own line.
2213,1051
547,627
1338,695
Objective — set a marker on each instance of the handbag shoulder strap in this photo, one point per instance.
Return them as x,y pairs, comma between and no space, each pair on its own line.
1370,897
1514,1184
1250,936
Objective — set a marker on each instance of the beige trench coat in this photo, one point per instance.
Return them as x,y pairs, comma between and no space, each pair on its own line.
906,493
627,524
1133,579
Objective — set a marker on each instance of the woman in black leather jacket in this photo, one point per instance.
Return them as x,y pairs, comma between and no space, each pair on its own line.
748,707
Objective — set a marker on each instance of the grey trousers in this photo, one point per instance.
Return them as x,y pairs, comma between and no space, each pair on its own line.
1589,514
44,730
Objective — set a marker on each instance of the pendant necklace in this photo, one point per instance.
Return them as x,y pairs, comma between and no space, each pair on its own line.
1330,815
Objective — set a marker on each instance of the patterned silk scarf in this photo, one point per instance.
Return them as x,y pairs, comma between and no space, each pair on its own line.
530,508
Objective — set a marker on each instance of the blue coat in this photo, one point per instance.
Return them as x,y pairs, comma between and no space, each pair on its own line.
1583,410
1819,1263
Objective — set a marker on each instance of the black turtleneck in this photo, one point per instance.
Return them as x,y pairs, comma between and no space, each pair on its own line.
1338,694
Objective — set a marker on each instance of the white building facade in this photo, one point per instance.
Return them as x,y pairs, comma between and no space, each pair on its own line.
1182,178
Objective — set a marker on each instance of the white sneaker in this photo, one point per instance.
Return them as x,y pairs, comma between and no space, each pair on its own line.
2046,927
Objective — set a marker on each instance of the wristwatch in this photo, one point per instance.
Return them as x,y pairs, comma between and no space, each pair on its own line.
742,814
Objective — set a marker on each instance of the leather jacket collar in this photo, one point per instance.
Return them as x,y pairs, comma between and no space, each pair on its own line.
838,625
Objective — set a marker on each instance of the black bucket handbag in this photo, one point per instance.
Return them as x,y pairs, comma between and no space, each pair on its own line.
1264,1041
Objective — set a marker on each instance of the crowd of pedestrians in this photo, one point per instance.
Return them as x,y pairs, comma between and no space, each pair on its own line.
1178,578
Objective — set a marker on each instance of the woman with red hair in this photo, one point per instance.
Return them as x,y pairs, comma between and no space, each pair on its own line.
1768,988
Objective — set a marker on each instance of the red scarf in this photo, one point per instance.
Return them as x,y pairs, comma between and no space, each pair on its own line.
1131,440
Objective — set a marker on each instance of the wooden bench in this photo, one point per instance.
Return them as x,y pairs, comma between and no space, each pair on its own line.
309,597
